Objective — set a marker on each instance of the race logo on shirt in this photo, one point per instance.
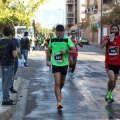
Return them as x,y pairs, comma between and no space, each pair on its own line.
113,50
58,57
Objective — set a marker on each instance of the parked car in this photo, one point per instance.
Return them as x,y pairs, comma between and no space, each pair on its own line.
84,40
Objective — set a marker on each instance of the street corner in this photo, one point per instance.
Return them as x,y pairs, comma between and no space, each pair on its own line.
6,112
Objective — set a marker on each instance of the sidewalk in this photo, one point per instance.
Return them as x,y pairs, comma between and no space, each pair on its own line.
6,112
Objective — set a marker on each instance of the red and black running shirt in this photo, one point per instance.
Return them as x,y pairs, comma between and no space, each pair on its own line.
112,54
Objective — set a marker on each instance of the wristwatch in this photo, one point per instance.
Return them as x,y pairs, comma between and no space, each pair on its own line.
66,51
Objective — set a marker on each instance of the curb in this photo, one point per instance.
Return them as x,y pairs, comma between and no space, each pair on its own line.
6,112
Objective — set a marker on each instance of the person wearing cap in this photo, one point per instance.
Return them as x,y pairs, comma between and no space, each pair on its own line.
73,56
61,46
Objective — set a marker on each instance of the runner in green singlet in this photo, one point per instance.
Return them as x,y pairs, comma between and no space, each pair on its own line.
61,46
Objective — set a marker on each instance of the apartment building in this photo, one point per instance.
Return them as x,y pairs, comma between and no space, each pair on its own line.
93,15
75,13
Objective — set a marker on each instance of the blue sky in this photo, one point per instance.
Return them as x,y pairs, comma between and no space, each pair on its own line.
50,13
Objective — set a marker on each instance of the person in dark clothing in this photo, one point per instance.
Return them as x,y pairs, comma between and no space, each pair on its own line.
15,62
25,46
47,43
48,39
8,52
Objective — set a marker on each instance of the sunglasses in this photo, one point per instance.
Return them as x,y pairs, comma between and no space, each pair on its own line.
114,29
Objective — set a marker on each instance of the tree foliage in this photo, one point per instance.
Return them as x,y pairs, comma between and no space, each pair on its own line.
83,25
112,17
18,12
94,28
38,27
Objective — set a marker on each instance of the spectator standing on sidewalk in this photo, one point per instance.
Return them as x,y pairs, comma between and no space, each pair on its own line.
61,46
112,59
73,56
8,52
17,45
25,47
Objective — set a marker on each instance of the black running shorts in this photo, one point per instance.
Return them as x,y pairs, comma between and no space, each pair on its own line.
114,68
62,69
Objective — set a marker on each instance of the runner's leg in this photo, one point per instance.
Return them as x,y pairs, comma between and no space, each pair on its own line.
74,64
71,62
111,76
57,78
62,81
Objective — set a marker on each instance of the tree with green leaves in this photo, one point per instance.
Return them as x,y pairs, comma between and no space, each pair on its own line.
38,28
18,12
112,17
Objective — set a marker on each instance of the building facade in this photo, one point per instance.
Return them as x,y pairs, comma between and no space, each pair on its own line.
75,13
93,16
78,11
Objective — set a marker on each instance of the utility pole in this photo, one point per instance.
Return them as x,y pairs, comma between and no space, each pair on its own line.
62,15
101,27
34,26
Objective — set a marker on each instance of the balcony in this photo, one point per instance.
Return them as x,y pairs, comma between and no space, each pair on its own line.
70,15
91,9
70,24
95,7
70,2
87,11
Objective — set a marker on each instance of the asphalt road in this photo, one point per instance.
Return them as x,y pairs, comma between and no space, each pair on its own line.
83,96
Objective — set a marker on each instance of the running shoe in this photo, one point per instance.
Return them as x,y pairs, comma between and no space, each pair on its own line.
60,96
59,105
72,75
107,96
111,97
69,70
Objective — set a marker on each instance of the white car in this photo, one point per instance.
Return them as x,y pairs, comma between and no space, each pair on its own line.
84,40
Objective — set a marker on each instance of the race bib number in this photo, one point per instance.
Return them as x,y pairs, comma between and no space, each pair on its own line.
58,57
113,50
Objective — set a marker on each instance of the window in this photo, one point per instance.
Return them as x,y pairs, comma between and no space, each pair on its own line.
95,2
70,8
106,1
70,21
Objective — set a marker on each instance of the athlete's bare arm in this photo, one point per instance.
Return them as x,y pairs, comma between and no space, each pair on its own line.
72,50
47,56
80,44
103,44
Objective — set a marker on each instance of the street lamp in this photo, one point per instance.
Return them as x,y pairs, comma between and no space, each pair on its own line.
63,14
56,16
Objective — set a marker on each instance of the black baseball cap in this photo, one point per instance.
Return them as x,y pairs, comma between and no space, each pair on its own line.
59,28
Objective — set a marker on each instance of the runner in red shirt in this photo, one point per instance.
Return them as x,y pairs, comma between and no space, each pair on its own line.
73,56
112,59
